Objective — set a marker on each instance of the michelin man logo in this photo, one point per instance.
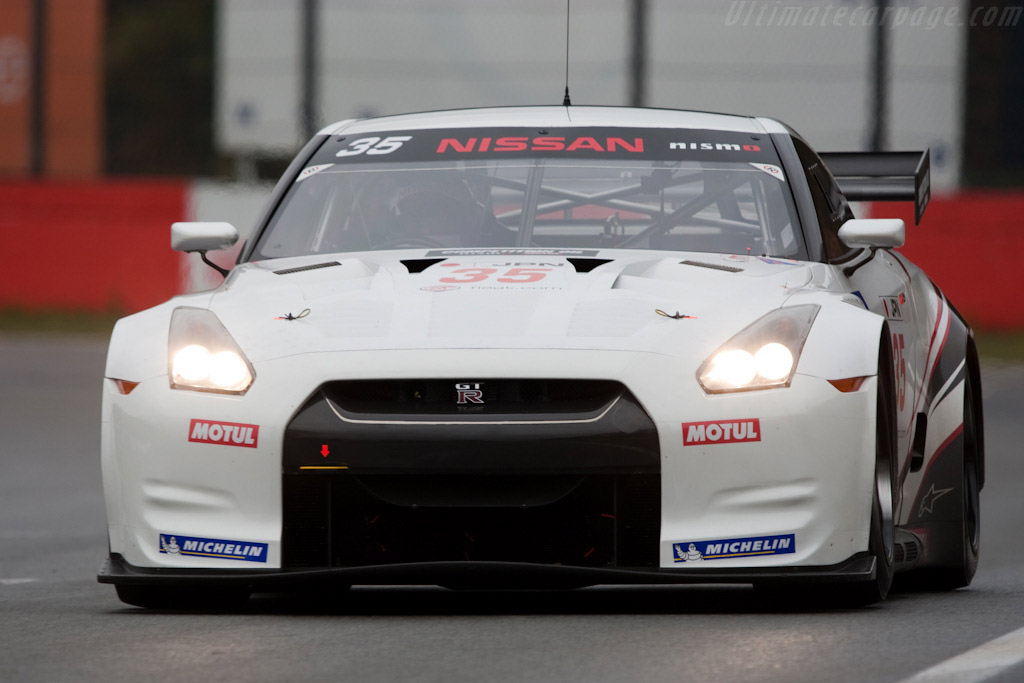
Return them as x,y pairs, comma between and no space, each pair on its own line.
169,546
691,554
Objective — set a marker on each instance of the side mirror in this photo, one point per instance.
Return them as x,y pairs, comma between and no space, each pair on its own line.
873,232
202,237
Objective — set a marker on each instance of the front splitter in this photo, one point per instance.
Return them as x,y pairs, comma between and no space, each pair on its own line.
859,567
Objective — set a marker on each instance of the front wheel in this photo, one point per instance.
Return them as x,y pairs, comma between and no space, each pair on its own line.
882,539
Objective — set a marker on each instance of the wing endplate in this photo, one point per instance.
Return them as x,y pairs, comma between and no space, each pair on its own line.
883,177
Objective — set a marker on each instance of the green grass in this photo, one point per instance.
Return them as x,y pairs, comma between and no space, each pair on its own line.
993,346
19,320
1006,347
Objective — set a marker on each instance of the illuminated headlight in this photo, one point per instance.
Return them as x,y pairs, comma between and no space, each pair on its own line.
762,356
203,356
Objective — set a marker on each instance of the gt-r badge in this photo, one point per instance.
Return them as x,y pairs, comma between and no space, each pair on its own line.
224,433
732,431
469,393
699,551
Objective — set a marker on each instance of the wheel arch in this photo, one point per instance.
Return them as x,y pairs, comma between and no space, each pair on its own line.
842,343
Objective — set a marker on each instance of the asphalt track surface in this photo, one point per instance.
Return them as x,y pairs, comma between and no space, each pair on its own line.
58,624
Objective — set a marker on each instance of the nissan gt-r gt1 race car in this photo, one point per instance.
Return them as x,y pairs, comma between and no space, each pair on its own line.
550,346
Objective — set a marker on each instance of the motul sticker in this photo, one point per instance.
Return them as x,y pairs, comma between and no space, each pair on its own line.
733,431
224,433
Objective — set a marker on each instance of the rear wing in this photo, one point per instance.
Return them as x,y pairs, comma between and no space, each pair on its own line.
883,177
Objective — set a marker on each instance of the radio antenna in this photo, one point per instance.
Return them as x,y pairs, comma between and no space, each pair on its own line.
566,101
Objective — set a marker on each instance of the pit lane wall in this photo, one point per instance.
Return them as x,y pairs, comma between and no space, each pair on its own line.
105,245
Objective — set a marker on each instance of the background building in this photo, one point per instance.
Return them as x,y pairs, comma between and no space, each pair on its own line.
119,116
807,63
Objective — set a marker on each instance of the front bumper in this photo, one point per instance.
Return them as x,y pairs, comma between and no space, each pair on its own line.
808,474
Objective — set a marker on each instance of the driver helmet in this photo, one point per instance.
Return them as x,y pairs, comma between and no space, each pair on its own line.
436,206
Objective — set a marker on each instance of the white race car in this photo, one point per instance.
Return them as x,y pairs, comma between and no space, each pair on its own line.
550,346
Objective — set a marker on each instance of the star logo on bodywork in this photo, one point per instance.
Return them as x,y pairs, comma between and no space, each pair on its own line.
929,499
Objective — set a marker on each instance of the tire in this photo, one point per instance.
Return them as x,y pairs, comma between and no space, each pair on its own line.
882,539
960,570
171,598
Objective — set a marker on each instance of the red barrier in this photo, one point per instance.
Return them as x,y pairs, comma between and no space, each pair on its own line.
106,245
92,246
969,244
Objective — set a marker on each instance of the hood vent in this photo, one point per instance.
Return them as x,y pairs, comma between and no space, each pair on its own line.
289,271
585,265
418,265
712,266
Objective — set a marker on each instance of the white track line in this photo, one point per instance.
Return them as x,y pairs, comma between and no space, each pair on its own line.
979,664
12,582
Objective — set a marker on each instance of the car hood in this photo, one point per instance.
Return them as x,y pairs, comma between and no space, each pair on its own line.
612,300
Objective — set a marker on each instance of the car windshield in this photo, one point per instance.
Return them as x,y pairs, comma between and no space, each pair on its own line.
372,193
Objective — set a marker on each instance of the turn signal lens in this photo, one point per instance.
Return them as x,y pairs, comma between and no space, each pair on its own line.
124,386
848,385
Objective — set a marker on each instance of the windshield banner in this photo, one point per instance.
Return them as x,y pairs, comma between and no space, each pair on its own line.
669,144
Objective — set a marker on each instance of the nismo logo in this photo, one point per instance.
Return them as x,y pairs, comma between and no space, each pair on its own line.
715,146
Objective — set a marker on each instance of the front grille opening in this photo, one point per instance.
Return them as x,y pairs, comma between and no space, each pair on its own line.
530,396
341,520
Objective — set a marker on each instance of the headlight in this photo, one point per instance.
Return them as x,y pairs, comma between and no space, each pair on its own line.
202,356
762,356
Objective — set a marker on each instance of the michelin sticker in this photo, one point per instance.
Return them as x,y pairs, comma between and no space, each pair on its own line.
212,547
702,551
